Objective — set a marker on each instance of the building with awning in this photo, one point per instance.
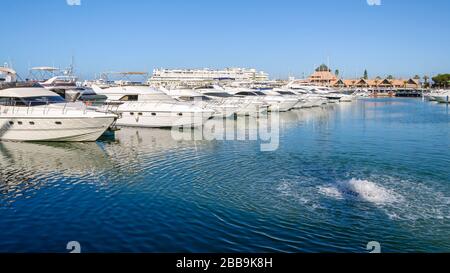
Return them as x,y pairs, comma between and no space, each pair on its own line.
322,76
376,83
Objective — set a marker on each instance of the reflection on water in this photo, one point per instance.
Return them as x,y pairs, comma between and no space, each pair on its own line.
342,176
24,167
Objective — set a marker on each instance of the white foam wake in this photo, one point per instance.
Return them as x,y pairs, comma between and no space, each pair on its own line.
360,189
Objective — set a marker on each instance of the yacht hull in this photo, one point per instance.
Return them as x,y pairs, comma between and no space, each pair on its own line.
283,106
53,129
224,111
162,119
252,109
442,99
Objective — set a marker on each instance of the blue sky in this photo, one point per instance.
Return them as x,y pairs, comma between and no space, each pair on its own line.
282,37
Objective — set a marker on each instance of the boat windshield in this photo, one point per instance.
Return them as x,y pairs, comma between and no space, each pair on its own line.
285,93
246,94
220,95
196,98
30,101
33,101
259,93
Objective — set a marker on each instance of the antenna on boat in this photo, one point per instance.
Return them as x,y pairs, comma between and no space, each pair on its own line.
72,66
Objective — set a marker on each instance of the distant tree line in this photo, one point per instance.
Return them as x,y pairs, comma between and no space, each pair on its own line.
442,80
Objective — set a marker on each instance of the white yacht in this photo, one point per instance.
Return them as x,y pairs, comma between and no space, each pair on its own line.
144,106
37,114
222,108
311,99
443,97
301,98
246,106
361,93
7,75
275,101
60,83
328,93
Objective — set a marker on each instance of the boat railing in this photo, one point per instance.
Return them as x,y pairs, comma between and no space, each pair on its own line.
30,109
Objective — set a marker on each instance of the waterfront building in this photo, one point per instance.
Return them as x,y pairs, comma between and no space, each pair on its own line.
201,76
377,83
322,76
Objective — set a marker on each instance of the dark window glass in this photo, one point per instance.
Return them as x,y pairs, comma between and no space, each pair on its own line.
129,98
285,93
34,101
245,94
220,95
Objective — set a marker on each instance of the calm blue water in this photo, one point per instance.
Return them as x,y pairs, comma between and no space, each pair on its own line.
344,175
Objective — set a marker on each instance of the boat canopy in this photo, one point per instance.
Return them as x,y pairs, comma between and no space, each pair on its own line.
26,93
44,68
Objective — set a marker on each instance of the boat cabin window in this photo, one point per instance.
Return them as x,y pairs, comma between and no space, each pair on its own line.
219,95
129,98
246,94
259,93
35,101
197,98
30,101
285,93
11,101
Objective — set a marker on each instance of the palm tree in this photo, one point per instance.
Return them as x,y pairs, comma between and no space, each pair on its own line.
425,80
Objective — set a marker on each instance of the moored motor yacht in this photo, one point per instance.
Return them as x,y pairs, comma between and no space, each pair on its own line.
144,106
31,113
246,106
310,98
302,98
444,97
222,108
275,102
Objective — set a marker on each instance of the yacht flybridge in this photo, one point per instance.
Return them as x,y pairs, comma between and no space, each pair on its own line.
31,113
144,106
